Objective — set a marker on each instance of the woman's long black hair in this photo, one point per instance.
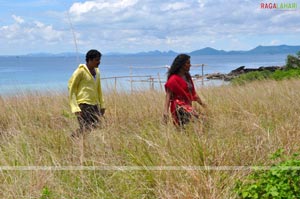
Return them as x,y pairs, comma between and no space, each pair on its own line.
178,62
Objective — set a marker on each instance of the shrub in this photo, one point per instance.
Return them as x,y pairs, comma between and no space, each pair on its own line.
251,76
46,193
292,70
282,180
293,61
286,74
262,75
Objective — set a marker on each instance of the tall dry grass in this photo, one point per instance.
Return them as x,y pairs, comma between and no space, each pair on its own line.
243,126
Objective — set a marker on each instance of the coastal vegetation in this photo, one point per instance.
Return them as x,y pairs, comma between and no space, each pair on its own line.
282,180
243,126
289,71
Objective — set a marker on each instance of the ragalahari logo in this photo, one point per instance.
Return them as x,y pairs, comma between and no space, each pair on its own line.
279,6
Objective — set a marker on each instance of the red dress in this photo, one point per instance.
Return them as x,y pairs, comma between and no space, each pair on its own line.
181,93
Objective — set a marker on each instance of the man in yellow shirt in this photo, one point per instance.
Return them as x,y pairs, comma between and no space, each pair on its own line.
85,93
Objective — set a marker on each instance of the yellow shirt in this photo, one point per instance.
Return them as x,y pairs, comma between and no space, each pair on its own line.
83,88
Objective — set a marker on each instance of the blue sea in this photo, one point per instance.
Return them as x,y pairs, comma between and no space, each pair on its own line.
24,73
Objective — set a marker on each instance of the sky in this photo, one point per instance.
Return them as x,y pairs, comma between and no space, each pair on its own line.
130,26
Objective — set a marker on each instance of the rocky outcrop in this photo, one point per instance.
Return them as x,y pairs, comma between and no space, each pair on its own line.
241,70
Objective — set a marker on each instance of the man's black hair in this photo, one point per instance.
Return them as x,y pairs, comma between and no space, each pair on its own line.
92,54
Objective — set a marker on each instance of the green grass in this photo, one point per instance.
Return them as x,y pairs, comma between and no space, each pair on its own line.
264,75
280,181
291,71
243,125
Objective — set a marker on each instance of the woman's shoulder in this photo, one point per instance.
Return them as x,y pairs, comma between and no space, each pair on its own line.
175,80
174,77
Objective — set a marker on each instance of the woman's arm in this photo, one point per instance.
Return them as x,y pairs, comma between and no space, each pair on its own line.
200,101
167,102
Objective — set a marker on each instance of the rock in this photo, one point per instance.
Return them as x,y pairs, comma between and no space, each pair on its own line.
237,71
241,70
270,68
215,76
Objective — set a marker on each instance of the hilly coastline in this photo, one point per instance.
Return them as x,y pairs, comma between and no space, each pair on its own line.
280,49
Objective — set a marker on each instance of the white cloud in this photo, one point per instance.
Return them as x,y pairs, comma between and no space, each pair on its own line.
21,32
167,24
175,6
78,9
201,3
39,24
9,32
274,42
81,8
141,25
18,19
45,32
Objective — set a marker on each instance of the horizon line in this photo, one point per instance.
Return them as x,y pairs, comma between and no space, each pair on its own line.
141,52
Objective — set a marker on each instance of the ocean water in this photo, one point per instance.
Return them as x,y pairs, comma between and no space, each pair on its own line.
21,74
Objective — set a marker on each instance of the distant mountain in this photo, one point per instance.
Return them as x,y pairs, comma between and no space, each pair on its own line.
114,54
65,54
208,51
157,53
70,54
73,54
281,49
274,49
39,55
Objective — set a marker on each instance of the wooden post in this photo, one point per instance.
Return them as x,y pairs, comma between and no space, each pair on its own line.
151,83
115,84
115,97
202,66
160,83
131,87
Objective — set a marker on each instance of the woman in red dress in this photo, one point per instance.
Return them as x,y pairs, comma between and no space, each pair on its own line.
180,92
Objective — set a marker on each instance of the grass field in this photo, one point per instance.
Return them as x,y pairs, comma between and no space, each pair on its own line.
243,126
